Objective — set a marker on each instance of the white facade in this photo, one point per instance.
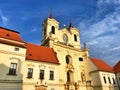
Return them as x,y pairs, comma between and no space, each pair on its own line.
35,81
102,80
8,56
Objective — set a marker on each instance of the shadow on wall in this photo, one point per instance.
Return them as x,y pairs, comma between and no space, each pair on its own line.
10,77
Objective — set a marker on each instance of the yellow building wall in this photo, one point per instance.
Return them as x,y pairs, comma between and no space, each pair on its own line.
8,55
29,83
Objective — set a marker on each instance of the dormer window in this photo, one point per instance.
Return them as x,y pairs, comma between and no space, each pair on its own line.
8,35
53,30
75,37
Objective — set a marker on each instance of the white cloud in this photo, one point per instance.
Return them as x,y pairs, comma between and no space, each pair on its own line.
103,34
115,48
34,30
100,3
93,42
4,19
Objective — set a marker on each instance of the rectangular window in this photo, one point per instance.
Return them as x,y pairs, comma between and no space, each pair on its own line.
16,49
114,81
30,73
41,74
80,59
12,69
51,75
104,80
109,80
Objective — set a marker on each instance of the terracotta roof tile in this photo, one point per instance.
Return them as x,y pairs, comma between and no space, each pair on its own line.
10,34
41,53
117,67
101,65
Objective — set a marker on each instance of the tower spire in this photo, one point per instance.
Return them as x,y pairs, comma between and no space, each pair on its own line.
50,14
85,45
70,25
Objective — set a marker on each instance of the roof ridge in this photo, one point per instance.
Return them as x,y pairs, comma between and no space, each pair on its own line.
9,29
37,45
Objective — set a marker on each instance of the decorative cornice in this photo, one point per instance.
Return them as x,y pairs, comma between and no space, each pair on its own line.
11,81
51,68
12,53
30,65
42,66
14,58
68,47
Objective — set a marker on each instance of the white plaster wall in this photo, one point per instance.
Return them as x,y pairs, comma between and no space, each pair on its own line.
8,55
36,70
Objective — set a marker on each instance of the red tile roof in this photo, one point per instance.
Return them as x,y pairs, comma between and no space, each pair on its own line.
41,53
101,65
12,43
10,34
117,67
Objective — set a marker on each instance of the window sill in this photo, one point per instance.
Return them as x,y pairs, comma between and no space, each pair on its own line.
40,79
11,74
51,79
29,77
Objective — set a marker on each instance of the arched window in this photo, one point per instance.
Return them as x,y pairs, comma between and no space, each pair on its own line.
68,59
53,30
70,77
75,37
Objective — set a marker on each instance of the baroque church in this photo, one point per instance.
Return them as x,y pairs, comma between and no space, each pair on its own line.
59,63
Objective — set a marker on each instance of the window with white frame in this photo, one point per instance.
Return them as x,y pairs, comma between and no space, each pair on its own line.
41,74
104,78
113,80
109,80
51,75
30,73
12,69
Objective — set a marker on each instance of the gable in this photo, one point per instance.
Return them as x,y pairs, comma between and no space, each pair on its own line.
101,65
117,67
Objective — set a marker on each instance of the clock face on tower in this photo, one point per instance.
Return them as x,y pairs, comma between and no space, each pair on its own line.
65,38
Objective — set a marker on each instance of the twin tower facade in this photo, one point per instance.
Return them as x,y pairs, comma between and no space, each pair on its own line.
59,63
73,68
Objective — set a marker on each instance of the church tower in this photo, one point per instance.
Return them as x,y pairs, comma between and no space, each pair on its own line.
51,32
50,29
73,70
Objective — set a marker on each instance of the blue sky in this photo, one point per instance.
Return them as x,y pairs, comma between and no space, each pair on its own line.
97,20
